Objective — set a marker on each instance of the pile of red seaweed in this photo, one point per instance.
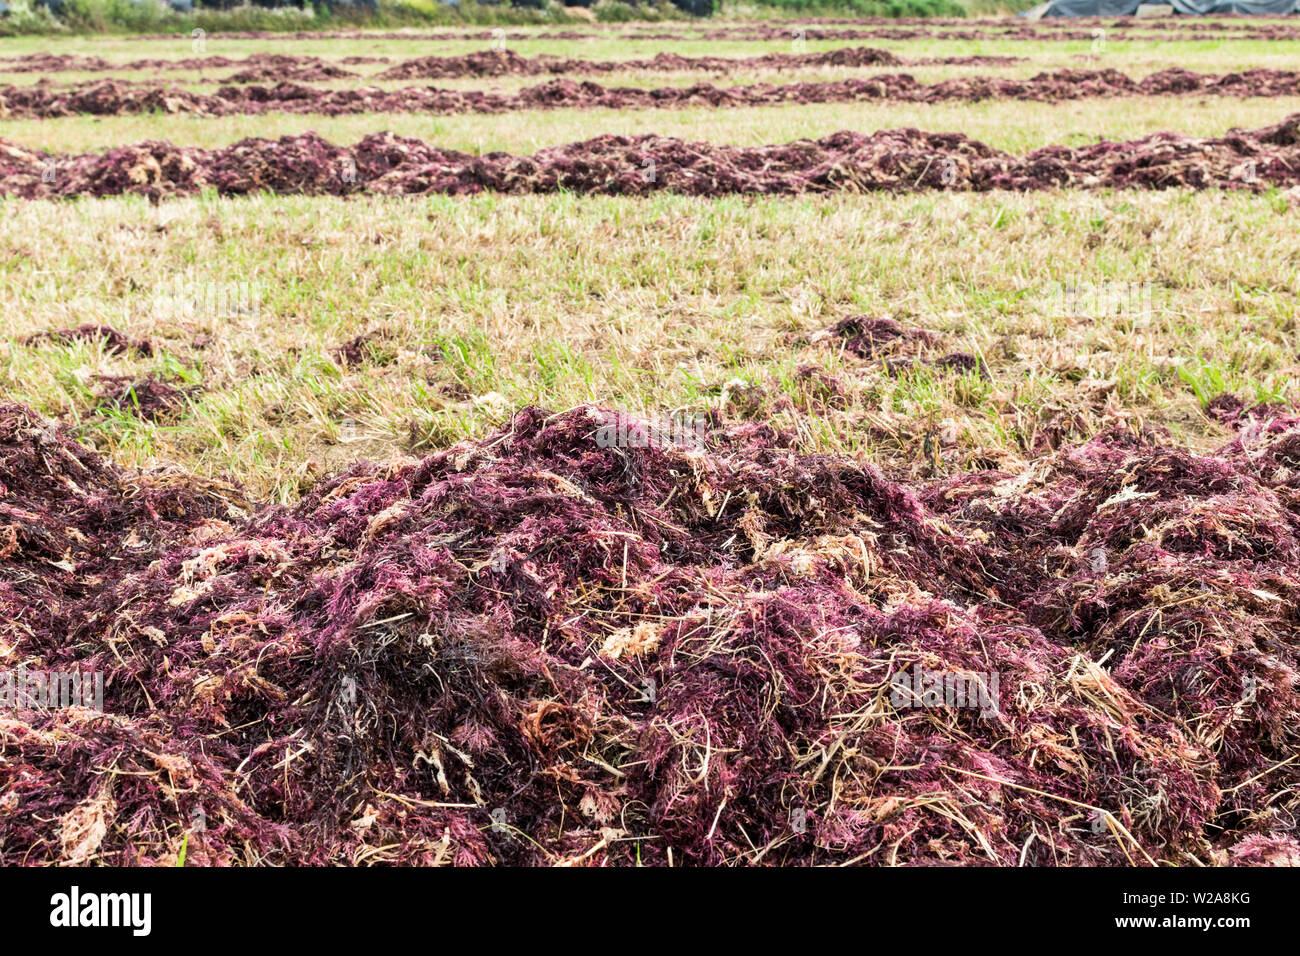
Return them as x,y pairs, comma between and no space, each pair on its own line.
277,63
265,67
890,160
866,336
149,398
114,98
308,73
871,337
542,648
510,63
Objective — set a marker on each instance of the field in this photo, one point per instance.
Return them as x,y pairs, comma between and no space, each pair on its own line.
302,444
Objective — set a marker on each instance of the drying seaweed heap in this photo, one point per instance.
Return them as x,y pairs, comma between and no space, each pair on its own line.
259,67
889,160
510,63
546,648
111,97
297,65
309,72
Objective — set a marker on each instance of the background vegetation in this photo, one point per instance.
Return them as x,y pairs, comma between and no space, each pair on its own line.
154,16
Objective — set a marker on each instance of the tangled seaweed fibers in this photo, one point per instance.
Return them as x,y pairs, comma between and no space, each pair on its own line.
538,648
866,336
149,398
112,97
889,160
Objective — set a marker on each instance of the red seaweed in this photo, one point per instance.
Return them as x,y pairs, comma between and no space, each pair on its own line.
115,97
889,160
866,336
148,398
544,648
114,342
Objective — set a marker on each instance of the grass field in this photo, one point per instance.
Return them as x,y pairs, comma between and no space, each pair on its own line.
653,303
1010,125
643,305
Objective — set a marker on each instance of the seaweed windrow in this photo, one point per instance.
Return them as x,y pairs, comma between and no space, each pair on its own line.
114,97
541,647
899,160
